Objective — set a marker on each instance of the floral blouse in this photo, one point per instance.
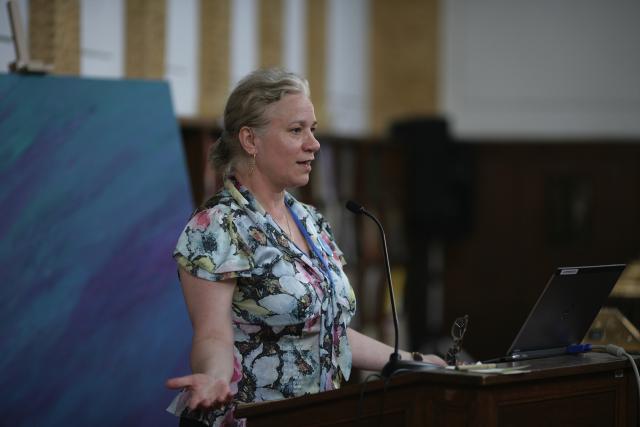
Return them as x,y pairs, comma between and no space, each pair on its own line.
290,310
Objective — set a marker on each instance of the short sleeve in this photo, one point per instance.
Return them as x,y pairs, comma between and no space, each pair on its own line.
210,247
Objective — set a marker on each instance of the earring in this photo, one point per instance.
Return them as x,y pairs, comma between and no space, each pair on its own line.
252,163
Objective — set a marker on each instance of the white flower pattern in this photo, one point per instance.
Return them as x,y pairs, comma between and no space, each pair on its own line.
290,313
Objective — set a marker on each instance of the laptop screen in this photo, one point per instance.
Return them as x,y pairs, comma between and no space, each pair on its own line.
565,310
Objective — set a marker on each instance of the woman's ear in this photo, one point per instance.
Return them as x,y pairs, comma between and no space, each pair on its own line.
246,136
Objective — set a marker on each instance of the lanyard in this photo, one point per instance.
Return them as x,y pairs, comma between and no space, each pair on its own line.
312,246
327,329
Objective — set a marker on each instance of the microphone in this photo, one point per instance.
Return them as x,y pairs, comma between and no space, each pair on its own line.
395,363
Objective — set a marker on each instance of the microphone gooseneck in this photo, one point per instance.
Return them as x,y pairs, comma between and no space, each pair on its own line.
358,209
395,363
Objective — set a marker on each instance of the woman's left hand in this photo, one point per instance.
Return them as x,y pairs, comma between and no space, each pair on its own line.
433,359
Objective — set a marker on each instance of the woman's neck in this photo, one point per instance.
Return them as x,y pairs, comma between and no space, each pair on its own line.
272,200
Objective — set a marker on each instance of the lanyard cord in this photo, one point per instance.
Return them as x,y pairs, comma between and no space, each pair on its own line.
312,246
333,310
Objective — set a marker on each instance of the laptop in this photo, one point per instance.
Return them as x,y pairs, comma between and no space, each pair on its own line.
564,311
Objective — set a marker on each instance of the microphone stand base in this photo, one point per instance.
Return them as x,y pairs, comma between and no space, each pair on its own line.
395,367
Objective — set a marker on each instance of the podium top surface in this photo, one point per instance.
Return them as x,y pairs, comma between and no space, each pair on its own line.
535,370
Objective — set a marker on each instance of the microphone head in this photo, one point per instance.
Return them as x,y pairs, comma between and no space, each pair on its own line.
354,207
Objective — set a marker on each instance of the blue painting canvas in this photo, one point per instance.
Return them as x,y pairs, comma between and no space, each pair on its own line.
94,192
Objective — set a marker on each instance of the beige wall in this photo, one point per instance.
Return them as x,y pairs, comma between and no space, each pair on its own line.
271,33
404,60
54,34
145,35
214,73
402,57
371,62
316,60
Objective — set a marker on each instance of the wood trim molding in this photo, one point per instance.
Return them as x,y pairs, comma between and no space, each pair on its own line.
214,75
271,33
54,34
145,30
316,57
404,60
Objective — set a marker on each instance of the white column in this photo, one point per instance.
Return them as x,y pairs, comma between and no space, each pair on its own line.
181,59
295,36
348,66
244,38
102,38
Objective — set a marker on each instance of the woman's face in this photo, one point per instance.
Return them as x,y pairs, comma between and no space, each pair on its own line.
286,146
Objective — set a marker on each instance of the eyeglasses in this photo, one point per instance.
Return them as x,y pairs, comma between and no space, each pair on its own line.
458,330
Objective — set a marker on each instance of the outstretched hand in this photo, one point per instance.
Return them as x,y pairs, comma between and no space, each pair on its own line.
206,392
432,358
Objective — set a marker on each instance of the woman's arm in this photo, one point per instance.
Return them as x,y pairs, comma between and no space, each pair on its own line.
209,306
371,355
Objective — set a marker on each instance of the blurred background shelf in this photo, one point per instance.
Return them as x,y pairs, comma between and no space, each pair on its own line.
534,207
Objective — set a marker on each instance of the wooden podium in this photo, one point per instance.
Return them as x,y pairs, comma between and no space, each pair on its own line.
590,389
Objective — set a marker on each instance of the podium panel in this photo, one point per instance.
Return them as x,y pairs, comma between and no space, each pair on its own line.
581,390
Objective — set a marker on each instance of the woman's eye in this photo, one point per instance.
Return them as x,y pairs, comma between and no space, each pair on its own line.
296,130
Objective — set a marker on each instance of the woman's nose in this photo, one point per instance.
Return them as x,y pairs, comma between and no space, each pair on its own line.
312,143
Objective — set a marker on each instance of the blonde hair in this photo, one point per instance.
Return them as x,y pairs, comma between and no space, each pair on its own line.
246,106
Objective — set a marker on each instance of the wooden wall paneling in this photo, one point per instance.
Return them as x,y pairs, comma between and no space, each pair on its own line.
54,34
197,137
145,28
271,33
496,274
215,79
404,60
394,198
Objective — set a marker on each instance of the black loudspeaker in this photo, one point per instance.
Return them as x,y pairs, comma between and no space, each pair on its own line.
439,176
440,204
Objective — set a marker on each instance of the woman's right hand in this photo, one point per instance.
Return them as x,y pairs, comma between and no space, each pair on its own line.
206,392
